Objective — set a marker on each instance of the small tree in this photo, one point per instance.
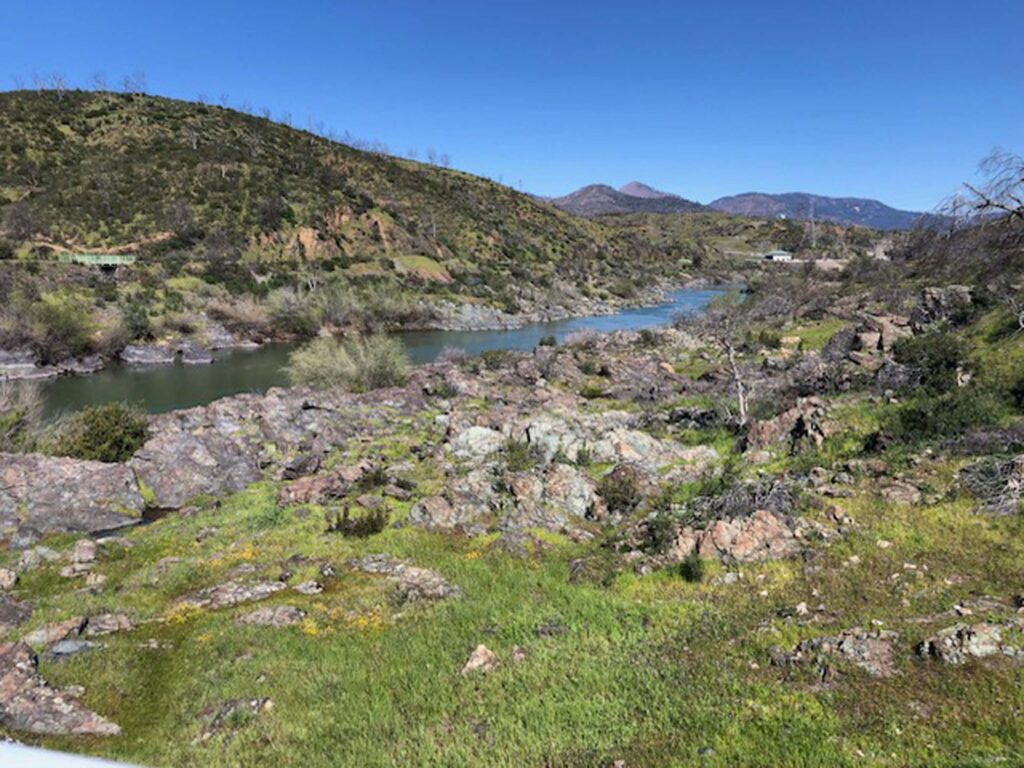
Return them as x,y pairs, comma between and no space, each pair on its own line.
725,325
358,363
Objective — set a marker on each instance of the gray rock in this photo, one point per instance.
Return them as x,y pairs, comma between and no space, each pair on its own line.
232,593
961,642
108,624
13,613
62,649
476,443
193,354
870,651
412,584
147,354
29,703
54,494
274,616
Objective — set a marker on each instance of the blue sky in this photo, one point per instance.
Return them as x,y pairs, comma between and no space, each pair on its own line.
897,100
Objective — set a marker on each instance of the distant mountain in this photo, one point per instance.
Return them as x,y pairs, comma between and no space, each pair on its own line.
600,199
801,206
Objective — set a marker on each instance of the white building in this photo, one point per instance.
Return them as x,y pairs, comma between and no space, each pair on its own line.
778,256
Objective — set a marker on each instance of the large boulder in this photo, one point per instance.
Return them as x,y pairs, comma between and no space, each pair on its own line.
950,304
29,703
177,465
761,536
52,494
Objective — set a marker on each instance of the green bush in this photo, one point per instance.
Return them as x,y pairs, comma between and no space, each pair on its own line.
620,491
949,414
938,356
60,326
112,433
361,526
520,456
548,341
357,363
692,568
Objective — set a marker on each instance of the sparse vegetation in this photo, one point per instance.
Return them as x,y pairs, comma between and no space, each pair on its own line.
109,433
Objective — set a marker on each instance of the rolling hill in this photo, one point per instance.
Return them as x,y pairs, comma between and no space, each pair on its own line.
800,206
601,200
176,180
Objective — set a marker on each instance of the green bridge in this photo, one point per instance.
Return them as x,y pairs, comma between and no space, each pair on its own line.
107,260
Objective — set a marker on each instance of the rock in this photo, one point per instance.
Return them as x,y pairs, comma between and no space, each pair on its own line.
274,616
960,642
476,443
951,304
54,494
310,587
232,593
481,661
552,499
29,703
411,583
17,363
53,633
902,493
803,422
870,651
762,536
177,466
8,579
84,551
13,613
518,544
147,354
108,624
301,466
193,354
33,558
65,648
318,489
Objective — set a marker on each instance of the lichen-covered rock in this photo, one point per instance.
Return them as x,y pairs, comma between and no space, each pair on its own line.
761,536
476,443
870,651
232,593
178,465
273,616
481,661
411,583
29,703
317,489
961,642
804,422
52,494
108,624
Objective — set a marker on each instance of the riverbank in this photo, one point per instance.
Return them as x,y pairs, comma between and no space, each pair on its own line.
159,388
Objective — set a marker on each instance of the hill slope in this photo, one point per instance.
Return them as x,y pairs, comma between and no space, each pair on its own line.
799,206
109,171
600,200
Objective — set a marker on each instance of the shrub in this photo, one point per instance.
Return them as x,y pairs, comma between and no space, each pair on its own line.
692,568
453,355
358,363
245,316
520,456
136,321
620,491
361,526
291,312
948,414
648,338
936,355
60,326
21,410
112,433
548,341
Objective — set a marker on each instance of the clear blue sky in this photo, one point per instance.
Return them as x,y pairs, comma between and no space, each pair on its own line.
896,100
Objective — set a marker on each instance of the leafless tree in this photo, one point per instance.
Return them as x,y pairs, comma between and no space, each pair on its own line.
265,113
725,325
59,83
444,161
19,82
432,156
134,83
38,81
99,81
1001,194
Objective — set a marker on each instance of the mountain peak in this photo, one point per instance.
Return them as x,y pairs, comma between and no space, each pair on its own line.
641,190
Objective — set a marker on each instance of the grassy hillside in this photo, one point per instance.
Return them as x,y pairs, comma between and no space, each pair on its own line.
171,178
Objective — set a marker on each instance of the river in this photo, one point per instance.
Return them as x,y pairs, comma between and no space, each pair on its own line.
168,387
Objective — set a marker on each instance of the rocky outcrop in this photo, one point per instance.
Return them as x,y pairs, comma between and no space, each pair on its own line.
950,304
961,642
412,584
13,613
273,616
233,593
51,494
29,703
762,536
318,489
804,423
870,651
147,354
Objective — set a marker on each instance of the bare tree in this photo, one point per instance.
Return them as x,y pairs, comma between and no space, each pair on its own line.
99,81
59,83
1001,194
19,82
444,161
725,325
